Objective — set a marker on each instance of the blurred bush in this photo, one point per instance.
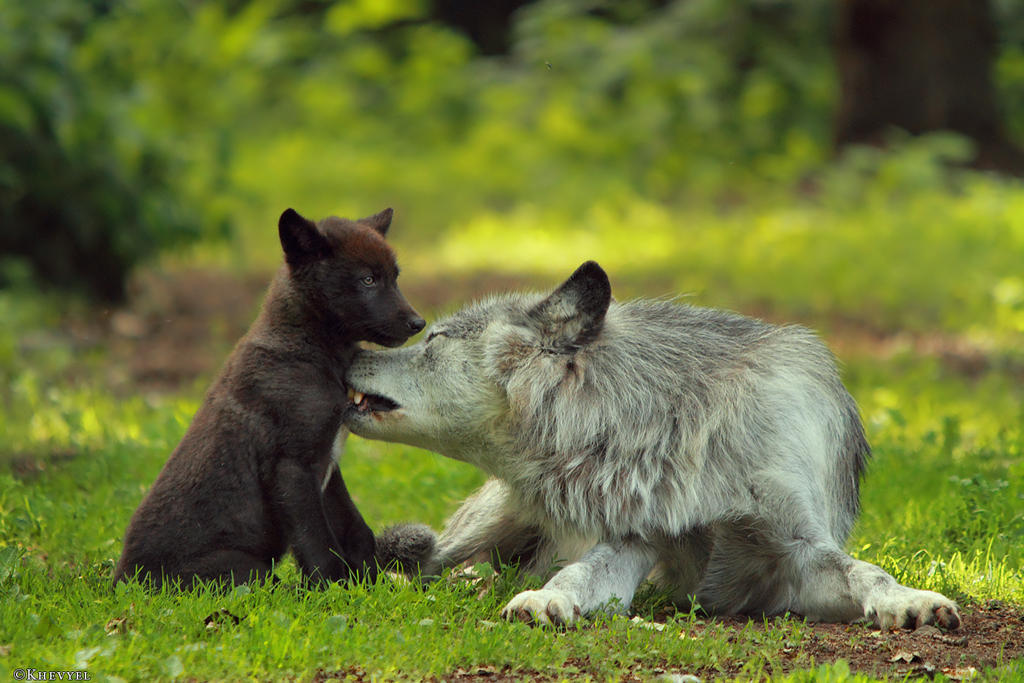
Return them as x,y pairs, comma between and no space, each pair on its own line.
85,193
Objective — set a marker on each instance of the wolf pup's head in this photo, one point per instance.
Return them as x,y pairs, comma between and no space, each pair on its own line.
347,273
471,386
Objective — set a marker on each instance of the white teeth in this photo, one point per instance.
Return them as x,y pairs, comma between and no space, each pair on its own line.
357,397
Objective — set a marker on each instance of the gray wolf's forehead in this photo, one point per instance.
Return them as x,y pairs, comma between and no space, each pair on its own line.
472,320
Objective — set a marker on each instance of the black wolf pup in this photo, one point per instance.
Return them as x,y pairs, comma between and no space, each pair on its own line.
255,474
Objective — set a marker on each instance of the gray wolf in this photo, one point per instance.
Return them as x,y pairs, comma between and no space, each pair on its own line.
718,454
255,473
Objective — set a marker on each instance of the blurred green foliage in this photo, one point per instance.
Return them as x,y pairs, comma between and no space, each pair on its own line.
85,193
133,126
686,143
687,100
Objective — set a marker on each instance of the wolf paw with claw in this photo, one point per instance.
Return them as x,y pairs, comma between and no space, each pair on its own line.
543,606
913,609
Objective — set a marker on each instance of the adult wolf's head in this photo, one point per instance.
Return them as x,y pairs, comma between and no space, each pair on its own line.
471,389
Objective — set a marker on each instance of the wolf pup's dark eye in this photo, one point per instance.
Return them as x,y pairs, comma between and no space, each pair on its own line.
368,281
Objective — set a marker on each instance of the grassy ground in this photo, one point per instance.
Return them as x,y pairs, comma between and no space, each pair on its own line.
942,510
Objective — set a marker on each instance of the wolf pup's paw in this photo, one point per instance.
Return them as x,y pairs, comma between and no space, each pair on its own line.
912,608
408,548
544,606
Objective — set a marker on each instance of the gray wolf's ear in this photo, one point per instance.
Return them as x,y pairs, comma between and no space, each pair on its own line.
575,311
301,241
379,221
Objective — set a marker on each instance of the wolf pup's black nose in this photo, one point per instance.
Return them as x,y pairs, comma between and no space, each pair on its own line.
416,324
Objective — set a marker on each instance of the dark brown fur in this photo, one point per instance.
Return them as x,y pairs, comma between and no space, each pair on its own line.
244,484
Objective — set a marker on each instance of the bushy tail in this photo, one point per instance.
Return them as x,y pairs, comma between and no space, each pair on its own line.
408,548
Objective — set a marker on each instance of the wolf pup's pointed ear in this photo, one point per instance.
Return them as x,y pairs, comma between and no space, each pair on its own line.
301,241
379,221
575,311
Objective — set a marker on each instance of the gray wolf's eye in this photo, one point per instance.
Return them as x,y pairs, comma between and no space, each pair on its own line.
368,281
430,336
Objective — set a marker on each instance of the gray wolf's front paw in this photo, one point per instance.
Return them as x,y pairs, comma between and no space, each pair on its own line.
544,606
912,608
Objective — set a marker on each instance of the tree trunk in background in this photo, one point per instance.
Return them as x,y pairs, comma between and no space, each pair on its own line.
921,65
488,23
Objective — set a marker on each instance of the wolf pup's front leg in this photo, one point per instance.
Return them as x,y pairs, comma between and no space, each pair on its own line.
352,535
608,572
317,548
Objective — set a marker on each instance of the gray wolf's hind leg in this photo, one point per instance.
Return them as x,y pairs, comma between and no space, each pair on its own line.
757,567
836,587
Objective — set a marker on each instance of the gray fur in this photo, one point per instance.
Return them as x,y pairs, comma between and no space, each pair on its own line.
720,451
405,547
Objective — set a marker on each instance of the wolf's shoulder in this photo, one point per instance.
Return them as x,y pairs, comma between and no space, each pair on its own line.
668,326
670,312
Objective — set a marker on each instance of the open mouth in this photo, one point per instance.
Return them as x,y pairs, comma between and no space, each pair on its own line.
369,403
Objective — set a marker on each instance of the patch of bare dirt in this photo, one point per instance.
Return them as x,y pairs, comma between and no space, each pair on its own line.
180,326
850,337
991,635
